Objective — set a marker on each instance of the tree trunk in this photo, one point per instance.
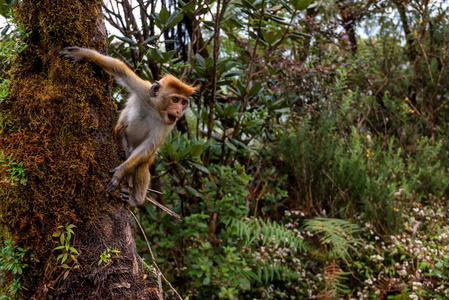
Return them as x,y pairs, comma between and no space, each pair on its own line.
58,121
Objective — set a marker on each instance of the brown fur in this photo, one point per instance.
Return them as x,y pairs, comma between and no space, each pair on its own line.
177,85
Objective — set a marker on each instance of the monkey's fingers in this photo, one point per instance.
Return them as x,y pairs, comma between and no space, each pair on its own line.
125,194
71,53
112,185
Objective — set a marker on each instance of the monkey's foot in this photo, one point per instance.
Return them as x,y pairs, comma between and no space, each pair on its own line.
126,197
125,194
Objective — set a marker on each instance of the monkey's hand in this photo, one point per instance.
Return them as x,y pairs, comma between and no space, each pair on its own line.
113,184
74,53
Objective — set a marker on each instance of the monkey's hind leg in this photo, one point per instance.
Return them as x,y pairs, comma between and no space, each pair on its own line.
138,182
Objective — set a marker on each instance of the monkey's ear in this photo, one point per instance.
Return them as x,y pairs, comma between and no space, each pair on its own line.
154,90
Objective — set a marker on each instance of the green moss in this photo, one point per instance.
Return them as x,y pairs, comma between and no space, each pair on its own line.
62,120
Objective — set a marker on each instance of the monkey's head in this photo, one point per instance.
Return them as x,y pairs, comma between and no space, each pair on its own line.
171,97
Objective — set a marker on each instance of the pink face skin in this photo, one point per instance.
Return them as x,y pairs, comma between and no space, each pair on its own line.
174,108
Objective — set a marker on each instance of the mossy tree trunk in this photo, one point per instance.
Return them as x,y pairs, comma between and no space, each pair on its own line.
58,120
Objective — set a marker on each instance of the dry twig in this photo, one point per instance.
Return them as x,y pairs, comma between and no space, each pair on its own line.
154,260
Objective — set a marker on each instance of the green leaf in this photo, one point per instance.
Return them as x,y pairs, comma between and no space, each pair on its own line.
230,145
284,110
423,265
271,37
174,19
203,225
172,153
127,40
233,23
272,70
248,4
5,6
229,111
197,150
200,167
204,116
200,62
245,283
188,7
155,55
161,167
184,152
164,15
209,25
151,39
169,55
255,89
241,87
300,4
238,143
207,144
206,281
192,191
219,109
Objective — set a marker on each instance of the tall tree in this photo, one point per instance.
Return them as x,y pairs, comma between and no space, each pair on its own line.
60,126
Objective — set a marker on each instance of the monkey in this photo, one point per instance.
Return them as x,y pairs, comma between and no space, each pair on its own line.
150,113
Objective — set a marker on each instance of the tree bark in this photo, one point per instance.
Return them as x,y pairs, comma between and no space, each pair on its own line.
58,121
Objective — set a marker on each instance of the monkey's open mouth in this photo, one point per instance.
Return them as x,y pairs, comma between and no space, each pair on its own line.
171,119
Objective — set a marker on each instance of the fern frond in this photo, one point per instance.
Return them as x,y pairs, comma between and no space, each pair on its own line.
269,272
388,285
332,271
334,276
251,229
337,233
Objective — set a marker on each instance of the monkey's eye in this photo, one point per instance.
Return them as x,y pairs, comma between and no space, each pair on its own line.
184,102
175,99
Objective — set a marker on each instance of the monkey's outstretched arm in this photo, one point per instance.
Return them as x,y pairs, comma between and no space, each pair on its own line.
115,67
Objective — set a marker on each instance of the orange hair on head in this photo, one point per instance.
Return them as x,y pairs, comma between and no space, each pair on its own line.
177,85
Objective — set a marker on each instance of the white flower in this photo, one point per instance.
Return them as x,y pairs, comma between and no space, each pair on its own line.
376,258
413,297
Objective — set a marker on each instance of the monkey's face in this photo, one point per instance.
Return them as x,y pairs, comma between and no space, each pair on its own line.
174,107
